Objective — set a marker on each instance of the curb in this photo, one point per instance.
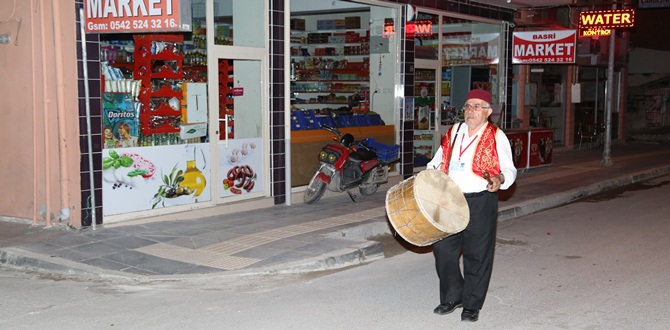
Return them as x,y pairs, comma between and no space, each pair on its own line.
361,251
547,202
25,260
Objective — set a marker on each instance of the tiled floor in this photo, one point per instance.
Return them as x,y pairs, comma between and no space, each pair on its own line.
225,254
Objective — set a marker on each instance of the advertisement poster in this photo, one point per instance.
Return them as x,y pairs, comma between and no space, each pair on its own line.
519,143
241,167
470,49
653,114
424,106
556,46
541,147
409,109
138,179
120,120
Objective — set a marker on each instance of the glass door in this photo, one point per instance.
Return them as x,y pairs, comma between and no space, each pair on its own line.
238,93
240,122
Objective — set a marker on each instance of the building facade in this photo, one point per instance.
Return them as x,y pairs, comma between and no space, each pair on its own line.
179,125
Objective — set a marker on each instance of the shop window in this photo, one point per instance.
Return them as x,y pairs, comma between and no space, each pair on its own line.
425,31
239,22
239,88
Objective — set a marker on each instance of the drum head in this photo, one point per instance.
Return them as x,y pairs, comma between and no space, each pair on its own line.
441,201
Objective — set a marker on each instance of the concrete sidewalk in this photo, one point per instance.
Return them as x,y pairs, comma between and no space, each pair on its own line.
300,238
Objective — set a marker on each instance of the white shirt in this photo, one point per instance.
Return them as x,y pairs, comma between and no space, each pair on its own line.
466,180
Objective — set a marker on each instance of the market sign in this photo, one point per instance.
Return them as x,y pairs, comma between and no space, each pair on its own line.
132,16
470,49
557,46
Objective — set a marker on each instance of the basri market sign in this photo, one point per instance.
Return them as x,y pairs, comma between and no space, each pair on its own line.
544,47
131,16
598,23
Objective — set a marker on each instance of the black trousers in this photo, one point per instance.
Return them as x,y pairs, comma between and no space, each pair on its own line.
477,243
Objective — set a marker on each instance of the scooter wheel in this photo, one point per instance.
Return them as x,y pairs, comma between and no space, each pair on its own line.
315,190
368,190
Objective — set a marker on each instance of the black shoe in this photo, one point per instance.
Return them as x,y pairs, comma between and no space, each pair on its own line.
470,315
447,308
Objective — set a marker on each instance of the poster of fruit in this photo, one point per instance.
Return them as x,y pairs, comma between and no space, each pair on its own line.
241,168
138,179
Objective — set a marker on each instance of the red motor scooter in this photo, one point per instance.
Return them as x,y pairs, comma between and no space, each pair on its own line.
350,164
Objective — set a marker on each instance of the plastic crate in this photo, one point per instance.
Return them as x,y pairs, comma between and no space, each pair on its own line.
295,123
305,119
361,120
325,120
345,121
384,152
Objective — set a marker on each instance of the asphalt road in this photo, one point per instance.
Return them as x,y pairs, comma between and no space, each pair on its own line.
599,263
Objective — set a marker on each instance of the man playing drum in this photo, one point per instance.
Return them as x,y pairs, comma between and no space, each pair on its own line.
478,158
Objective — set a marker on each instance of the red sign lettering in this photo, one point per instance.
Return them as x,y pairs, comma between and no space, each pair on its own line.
124,16
528,48
419,29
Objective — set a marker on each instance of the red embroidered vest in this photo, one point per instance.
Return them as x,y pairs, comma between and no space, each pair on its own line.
486,154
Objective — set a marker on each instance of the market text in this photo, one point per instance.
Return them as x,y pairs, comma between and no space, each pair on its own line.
127,8
564,49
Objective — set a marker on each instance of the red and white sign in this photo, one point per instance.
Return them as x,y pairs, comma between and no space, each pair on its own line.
132,16
238,91
470,49
544,47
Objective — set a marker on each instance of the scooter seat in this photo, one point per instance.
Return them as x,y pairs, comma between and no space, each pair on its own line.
363,155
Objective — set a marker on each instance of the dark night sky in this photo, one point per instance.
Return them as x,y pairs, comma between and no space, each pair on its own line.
652,29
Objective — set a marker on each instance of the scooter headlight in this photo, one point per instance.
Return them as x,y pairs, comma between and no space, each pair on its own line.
332,158
323,155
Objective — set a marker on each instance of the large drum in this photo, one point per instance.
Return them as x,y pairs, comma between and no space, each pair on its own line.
427,208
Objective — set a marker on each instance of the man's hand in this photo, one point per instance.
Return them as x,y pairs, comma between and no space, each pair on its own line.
495,182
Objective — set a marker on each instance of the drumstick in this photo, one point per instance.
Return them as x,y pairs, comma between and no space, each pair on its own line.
487,176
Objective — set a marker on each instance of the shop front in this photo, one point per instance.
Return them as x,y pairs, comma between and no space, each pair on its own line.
184,105
415,81
453,54
206,106
343,62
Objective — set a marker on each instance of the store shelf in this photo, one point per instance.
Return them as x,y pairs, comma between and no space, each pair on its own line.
226,100
158,56
331,65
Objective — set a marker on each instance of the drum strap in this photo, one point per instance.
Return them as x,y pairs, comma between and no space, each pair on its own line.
451,149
